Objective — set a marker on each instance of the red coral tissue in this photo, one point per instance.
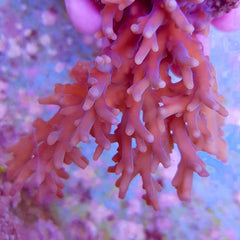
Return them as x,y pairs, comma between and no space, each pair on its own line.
131,86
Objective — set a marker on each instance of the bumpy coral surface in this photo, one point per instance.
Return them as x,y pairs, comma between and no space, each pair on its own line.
152,87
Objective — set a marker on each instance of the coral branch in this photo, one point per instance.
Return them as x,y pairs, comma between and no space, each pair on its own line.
132,86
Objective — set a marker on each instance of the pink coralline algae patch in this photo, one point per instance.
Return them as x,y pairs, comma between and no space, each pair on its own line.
151,87
49,18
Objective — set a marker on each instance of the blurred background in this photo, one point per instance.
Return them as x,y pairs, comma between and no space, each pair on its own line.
38,48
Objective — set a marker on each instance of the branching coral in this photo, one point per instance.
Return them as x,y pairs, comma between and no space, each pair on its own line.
131,87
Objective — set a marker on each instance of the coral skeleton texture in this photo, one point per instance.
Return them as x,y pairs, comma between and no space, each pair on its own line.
131,88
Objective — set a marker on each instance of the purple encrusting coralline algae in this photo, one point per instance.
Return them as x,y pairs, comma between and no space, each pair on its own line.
218,7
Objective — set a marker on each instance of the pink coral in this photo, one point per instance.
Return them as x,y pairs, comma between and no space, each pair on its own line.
131,87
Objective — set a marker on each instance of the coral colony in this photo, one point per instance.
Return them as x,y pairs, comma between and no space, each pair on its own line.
151,87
